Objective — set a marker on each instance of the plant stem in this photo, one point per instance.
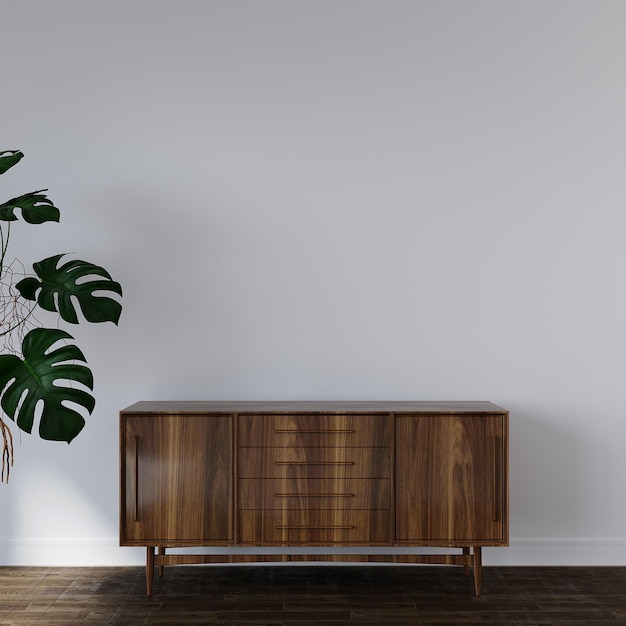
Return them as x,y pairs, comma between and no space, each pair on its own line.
5,244
7,451
18,324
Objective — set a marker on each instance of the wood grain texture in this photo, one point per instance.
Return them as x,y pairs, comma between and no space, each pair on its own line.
305,557
314,527
171,407
314,473
314,462
308,430
176,480
451,479
314,493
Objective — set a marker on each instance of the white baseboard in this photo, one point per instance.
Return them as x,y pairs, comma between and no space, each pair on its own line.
107,552
72,553
549,552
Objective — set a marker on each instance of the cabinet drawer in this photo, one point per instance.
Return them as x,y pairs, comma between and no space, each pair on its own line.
316,493
306,462
314,527
314,430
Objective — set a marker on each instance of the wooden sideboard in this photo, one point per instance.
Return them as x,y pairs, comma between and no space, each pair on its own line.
314,474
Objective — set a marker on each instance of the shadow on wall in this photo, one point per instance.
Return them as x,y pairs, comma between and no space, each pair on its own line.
61,506
53,515
547,463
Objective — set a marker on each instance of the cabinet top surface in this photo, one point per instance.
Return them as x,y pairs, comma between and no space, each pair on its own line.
288,407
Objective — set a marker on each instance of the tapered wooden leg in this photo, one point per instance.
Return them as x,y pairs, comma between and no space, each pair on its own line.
149,569
161,553
466,553
478,568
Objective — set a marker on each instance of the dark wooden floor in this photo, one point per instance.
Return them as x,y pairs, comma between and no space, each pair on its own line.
329,596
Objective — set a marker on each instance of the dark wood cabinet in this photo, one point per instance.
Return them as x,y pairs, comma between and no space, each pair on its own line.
297,474
169,463
450,485
314,479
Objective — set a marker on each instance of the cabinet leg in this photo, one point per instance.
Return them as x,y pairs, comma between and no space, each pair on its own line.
466,567
149,569
478,568
161,553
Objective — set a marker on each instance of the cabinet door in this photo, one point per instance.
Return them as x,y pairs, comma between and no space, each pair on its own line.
176,479
451,479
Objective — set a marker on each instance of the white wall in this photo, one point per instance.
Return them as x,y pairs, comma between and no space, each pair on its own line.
331,199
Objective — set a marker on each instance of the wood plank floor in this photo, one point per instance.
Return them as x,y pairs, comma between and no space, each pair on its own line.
304,596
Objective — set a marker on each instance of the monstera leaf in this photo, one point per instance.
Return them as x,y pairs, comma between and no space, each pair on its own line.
36,208
8,158
43,377
59,285
49,381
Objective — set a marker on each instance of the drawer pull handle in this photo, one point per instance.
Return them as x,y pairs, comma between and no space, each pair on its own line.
315,527
314,495
296,431
314,463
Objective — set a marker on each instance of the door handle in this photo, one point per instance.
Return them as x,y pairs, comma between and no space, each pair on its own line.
136,480
497,487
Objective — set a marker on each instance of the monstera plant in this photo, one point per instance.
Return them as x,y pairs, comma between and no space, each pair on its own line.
44,378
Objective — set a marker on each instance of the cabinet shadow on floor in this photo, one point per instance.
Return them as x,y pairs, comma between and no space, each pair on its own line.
307,595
